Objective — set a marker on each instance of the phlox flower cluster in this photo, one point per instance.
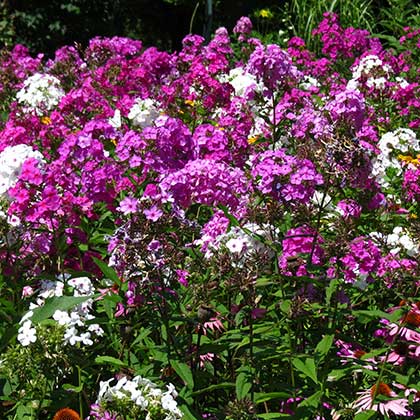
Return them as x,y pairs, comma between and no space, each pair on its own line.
392,147
40,93
138,397
76,321
205,172
285,177
12,159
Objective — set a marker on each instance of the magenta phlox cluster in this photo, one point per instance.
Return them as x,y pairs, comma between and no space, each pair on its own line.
343,43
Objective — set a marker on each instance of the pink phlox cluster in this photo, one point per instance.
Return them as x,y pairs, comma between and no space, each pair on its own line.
301,247
16,66
218,51
284,177
212,142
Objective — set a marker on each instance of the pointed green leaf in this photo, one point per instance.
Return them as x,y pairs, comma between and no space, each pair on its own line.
184,372
243,385
307,368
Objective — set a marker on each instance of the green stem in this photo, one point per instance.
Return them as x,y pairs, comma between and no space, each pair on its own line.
79,381
193,16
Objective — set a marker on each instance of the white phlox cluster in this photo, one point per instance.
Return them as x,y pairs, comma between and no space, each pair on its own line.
243,242
11,160
399,240
391,144
143,113
242,82
75,320
40,93
143,393
372,70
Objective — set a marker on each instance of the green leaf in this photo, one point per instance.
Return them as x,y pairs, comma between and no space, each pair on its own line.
323,347
61,303
211,388
243,386
184,372
308,368
109,360
187,413
107,271
312,401
261,397
365,415
73,388
272,416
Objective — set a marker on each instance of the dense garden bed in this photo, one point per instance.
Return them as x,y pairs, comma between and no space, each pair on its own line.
226,232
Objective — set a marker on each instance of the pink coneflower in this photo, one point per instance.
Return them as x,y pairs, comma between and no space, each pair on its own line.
368,401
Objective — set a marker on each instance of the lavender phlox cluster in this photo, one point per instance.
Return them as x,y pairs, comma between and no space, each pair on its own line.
143,112
371,71
391,145
171,142
361,262
12,159
347,107
273,66
284,177
215,228
40,93
74,320
138,397
207,182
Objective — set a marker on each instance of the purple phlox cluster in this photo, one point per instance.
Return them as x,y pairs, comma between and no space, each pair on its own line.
411,184
284,177
349,208
206,182
102,49
243,28
273,66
